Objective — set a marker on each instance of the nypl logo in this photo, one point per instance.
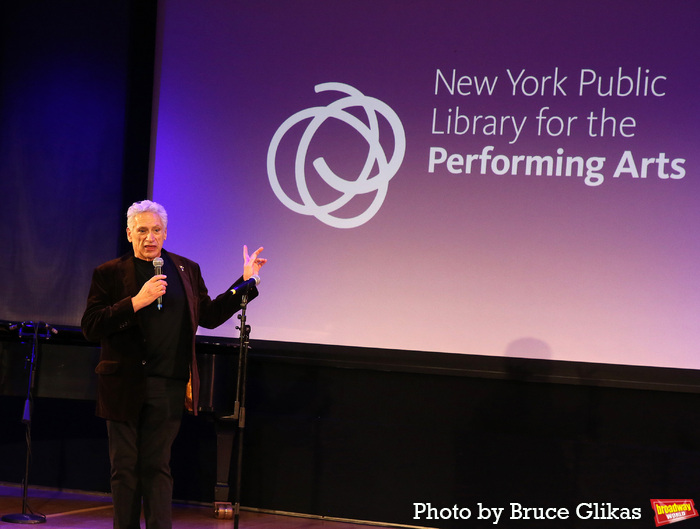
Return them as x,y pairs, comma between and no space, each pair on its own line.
320,190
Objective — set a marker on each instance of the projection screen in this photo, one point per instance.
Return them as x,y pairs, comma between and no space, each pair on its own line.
506,178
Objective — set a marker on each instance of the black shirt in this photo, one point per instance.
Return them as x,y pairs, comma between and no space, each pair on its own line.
167,338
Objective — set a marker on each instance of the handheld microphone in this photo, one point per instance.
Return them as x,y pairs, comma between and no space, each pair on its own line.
158,266
243,287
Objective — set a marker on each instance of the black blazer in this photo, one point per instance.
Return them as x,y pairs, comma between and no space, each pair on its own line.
110,319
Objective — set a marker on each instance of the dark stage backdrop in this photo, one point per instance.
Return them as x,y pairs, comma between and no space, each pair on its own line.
75,102
506,178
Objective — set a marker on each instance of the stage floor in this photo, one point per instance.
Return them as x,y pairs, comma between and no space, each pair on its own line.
78,510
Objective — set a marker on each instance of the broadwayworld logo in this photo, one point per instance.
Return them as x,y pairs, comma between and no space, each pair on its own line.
671,511
362,114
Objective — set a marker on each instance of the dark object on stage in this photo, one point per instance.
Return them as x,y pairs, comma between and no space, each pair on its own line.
226,401
35,331
218,366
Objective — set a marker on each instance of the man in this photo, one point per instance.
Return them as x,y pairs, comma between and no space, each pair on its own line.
147,362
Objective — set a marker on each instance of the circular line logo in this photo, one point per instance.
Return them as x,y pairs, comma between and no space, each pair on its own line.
376,170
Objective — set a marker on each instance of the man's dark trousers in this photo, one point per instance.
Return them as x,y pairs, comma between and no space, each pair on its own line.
139,453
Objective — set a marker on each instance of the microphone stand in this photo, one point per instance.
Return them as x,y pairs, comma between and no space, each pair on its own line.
239,406
29,328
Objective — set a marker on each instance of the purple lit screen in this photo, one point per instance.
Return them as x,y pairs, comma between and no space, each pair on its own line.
506,178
